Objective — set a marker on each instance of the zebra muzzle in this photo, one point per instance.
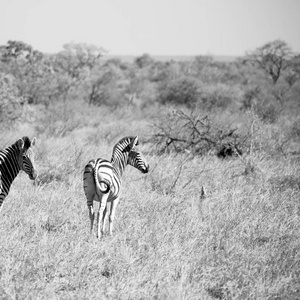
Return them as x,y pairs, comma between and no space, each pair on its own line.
33,175
146,170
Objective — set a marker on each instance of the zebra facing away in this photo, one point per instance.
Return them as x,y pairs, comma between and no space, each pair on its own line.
102,180
18,156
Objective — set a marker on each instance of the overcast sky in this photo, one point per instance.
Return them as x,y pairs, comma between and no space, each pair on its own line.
156,27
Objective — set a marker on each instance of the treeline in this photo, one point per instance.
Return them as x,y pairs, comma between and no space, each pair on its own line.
79,70
264,81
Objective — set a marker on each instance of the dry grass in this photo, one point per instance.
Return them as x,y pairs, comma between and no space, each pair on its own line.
240,242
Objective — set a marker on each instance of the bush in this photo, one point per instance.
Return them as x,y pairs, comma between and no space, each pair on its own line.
11,104
294,130
284,182
183,90
100,97
250,97
217,96
196,134
264,105
267,111
57,122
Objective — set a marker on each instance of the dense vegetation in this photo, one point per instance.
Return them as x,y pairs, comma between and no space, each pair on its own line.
230,127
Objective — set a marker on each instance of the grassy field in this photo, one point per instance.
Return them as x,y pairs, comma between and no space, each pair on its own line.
239,242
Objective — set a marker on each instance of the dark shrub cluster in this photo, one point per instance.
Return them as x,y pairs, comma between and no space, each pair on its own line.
195,134
183,90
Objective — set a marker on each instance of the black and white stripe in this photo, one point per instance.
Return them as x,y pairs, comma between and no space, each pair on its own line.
102,180
13,159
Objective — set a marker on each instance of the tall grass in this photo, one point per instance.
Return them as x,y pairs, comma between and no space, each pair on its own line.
240,241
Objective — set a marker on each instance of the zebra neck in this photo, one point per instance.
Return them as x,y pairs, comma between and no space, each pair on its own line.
9,165
119,166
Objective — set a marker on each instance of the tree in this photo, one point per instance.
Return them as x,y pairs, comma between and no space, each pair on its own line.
11,104
30,69
293,73
273,57
180,91
200,62
74,64
14,50
195,133
102,84
144,61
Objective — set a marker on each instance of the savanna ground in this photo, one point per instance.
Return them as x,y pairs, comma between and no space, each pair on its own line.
239,241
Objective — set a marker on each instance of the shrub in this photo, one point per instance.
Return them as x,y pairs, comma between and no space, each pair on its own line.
100,97
217,96
183,90
294,130
284,182
250,97
143,61
267,111
57,122
263,104
196,134
11,104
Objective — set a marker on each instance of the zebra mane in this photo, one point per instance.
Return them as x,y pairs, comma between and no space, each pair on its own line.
123,145
27,142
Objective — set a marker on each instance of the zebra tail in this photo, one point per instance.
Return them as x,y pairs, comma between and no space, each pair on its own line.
106,190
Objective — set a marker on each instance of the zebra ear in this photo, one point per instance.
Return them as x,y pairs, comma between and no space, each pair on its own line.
133,143
20,144
33,141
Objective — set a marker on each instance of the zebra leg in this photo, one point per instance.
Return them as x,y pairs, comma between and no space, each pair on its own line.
2,195
92,217
112,214
104,220
100,214
1,202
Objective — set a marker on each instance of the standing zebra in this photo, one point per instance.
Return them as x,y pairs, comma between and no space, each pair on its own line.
102,180
18,156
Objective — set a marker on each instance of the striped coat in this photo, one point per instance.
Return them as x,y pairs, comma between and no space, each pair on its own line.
13,159
102,180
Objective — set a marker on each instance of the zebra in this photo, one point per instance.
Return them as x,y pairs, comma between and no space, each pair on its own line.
18,156
102,180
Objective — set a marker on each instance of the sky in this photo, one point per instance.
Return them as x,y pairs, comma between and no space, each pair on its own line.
155,27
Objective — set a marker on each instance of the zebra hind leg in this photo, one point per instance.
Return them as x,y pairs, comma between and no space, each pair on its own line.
101,215
112,214
104,220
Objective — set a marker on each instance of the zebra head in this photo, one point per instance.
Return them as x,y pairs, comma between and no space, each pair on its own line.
26,158
136,158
